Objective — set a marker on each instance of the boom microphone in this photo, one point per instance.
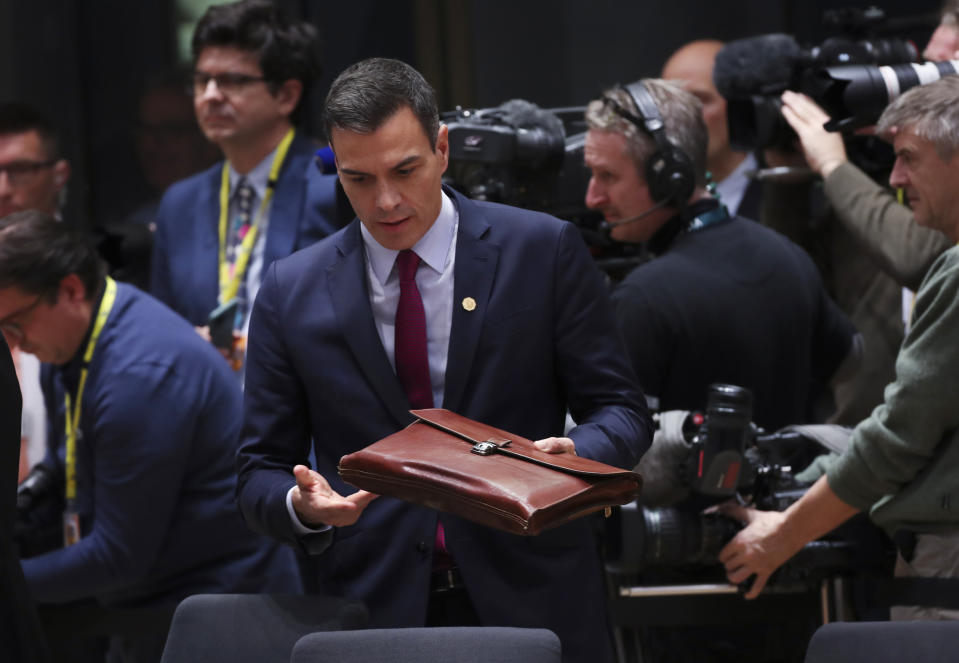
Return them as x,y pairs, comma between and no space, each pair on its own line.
606,226
756,65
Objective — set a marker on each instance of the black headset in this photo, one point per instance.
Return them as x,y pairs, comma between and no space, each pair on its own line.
669,171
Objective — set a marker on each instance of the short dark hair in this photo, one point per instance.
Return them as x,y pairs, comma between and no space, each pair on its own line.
37,252
286,49
20,118
369,92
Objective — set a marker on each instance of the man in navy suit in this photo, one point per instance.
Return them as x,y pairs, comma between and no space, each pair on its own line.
518,329
217,231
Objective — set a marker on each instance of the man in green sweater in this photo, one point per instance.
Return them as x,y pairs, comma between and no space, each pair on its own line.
902,462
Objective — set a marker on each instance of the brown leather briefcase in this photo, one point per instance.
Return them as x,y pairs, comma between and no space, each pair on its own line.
454,464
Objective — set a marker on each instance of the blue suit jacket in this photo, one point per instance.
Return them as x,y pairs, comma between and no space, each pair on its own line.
186,243
542,336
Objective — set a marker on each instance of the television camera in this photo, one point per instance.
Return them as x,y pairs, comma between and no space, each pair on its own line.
700,459
853,76
526,156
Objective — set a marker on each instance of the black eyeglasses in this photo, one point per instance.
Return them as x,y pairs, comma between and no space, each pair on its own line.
13,323
228,82
21,172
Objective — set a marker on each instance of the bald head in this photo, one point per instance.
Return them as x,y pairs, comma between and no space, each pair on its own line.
692,67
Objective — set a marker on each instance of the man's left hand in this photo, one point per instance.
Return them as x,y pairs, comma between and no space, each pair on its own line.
759,549
556,445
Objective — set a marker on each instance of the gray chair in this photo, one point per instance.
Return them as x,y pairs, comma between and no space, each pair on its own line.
253,628
885,642
454,644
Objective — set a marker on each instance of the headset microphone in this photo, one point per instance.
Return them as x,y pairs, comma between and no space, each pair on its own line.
606,226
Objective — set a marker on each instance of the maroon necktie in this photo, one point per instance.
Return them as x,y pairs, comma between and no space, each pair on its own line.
413,364
409,349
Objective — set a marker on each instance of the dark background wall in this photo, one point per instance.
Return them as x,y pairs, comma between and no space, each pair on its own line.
85,61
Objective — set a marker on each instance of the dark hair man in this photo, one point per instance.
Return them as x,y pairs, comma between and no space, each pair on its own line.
219,230
901,462
725,300
32,172
514,328
144,419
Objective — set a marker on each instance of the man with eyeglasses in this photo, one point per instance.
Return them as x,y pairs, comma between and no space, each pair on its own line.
219,230
32,173
144,422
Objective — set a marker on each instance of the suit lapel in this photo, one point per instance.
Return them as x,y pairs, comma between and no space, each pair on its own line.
287,206
476,261
346,280
206,244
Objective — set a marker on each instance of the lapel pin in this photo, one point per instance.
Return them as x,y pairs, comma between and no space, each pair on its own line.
469,303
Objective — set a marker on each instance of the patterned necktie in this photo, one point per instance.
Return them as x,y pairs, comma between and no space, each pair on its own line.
245,196
409,348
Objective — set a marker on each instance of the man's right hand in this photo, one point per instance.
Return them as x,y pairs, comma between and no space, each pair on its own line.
316,504
824,150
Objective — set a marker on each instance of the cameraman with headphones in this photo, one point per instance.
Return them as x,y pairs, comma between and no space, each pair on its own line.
724,299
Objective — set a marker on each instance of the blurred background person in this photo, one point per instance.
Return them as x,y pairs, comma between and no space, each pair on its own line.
33,175
692,67
218,231
169,148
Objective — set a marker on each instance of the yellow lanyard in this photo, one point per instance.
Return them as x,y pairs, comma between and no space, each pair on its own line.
230,283
73,413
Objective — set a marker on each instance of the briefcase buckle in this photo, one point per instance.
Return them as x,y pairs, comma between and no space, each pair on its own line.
487,447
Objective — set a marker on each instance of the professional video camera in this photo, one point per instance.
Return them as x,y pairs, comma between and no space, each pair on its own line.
701,459
526,156
841,74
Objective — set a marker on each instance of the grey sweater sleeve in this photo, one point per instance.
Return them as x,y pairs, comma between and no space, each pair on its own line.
885,228
904,450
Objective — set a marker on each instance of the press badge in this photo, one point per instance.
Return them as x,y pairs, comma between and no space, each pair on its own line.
71,528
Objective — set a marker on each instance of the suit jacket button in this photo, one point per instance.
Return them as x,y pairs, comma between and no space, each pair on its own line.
422,547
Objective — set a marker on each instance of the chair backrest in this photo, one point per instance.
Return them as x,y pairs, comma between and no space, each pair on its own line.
885,642
454,644
253,628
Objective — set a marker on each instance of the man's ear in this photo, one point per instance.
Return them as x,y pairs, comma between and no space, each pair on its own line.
72,289
288,95
443,145
61,173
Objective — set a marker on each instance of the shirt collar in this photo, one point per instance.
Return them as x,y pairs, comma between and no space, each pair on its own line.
433,248
733,187
258,177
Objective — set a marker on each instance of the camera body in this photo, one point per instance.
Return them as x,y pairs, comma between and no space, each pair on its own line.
752,73
522,155
721,455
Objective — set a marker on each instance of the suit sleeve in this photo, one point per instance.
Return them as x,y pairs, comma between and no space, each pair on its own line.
603,396
885,228
276,429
